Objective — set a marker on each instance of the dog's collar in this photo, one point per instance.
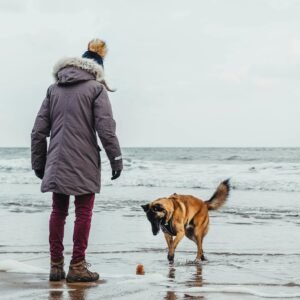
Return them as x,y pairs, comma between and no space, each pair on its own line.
168,228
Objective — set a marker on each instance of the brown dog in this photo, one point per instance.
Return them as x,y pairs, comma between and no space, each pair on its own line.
179,215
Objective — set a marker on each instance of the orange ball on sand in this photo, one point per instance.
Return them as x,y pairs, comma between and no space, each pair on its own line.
140,269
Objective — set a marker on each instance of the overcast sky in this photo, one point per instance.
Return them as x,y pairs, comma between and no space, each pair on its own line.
188,73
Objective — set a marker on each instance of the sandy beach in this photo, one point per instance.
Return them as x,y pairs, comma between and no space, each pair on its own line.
252,246
249,258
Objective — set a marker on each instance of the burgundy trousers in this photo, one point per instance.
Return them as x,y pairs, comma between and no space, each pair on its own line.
83,212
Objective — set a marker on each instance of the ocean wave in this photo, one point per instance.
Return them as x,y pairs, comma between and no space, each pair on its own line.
181,173
165,180
239,158
268,187
163,183
22,178
15,165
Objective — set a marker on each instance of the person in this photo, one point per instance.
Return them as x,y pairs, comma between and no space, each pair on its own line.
75,110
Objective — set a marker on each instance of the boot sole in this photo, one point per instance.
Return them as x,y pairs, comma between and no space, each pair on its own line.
80,279
57,278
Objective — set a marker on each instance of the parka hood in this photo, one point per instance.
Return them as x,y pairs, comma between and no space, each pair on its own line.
74,69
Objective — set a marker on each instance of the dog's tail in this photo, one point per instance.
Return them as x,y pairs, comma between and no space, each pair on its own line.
220,196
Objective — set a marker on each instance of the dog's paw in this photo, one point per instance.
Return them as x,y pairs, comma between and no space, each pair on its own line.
197,261
171,258
203,258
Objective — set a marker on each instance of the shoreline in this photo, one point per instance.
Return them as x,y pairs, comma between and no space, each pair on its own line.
252,249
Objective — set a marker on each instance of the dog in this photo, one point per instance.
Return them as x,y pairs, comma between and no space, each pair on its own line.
179,215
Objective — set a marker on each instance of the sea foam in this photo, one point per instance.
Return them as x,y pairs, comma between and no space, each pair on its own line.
11,265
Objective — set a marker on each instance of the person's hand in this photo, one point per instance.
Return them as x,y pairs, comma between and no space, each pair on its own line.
115,174
39,173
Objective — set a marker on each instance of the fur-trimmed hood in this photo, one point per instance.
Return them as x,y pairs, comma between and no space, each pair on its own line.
89,67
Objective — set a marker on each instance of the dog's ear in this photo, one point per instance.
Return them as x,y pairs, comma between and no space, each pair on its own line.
173,196
145,207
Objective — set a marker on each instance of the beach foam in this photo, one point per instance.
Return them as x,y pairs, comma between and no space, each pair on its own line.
11,265
237,290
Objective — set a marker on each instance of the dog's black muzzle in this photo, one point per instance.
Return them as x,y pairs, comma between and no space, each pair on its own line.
155,226
155,222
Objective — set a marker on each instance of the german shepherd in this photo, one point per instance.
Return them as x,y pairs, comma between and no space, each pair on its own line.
179,215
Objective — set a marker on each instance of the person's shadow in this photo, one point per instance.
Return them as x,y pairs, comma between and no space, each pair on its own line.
196,280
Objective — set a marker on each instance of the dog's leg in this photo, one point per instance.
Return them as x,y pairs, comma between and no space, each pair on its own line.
200,231
169,240
200,256
178,238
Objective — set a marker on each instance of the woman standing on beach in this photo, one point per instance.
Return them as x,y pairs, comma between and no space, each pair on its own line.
75,108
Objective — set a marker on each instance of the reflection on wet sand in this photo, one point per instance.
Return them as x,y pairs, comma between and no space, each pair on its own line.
76,291
55,292
171,296
196,280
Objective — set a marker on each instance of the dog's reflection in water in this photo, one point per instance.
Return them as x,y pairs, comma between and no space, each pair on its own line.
195,281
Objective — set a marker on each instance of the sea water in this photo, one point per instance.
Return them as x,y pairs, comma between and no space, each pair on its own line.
253,245
260,169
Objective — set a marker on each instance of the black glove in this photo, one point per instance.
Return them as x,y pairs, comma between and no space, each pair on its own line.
115,174
39,173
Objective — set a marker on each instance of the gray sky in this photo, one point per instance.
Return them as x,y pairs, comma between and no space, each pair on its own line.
188,73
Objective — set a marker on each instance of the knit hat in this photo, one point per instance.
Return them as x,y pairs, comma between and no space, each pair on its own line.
94,56
95,50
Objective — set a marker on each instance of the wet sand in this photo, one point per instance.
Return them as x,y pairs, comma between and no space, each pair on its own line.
26,286
170,286
252,251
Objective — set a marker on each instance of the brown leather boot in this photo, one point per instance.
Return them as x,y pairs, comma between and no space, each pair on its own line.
57,272
79,272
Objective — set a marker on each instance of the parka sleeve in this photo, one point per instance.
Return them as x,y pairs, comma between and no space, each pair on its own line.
39,134
105,126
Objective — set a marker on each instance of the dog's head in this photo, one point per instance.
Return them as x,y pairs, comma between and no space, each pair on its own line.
157,212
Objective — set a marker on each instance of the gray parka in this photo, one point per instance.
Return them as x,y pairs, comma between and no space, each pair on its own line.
75,108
